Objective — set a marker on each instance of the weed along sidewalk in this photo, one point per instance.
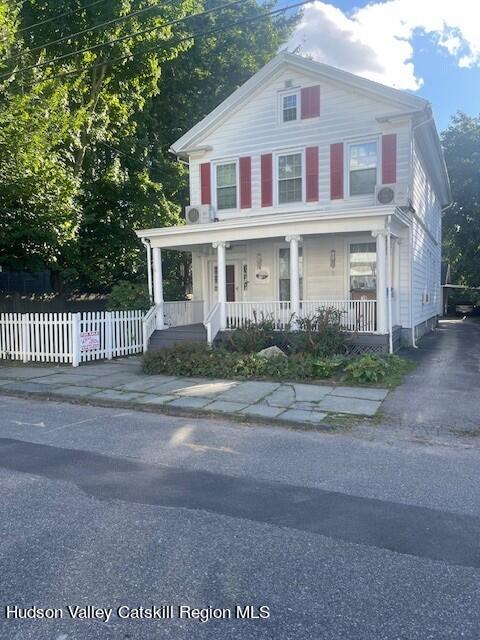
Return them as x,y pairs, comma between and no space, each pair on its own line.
123,382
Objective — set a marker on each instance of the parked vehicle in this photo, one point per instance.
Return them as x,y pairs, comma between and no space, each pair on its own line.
464,308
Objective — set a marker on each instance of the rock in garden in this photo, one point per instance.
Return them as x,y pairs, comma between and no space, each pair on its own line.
271,352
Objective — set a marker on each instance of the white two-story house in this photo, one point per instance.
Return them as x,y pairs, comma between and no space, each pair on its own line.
310,187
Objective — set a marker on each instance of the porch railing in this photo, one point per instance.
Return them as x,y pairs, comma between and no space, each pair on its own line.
212,323
182,312
239,313
356,315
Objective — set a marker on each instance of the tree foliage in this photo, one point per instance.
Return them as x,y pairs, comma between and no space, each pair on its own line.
461,224
84,157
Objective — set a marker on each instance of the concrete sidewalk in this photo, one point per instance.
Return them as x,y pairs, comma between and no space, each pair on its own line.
123,380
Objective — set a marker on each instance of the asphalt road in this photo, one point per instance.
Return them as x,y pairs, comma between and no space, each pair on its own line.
342,537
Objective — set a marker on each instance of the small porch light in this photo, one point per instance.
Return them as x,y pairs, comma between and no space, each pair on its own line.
333,258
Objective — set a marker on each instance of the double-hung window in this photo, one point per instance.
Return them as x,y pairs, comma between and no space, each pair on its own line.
362,165
289,107
226,184
290,178
284,272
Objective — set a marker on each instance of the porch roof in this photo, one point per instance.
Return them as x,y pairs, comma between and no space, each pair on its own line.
272,226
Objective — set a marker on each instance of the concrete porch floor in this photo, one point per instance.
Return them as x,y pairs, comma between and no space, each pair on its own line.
123,380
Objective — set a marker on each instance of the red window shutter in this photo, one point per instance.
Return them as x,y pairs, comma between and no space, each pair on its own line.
205,183
310,102
245,182
266,177
389,158
336,171
311,161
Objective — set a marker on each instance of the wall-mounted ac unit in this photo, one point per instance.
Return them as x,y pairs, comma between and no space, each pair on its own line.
396,194
199,214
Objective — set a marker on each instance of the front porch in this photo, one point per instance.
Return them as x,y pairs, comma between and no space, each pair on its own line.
258,273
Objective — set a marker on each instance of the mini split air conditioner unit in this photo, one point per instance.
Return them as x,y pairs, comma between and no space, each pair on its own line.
396,194
199,214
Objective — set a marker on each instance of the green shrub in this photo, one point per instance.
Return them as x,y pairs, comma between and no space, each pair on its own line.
320,334
194,359
126,296
257,334
368,368
326,367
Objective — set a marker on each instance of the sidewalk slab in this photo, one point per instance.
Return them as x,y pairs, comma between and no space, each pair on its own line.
352,406
249,392
118,381
226,407
310,392
71,390
262,411
367,393
148,399
189,403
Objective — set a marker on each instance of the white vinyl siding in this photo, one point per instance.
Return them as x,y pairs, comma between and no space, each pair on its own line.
256,128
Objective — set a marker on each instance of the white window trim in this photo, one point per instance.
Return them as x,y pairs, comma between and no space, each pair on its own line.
286,245
277,155
354,142
281,96
215,164
361,239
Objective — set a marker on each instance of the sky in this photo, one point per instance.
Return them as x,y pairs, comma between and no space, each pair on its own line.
428,47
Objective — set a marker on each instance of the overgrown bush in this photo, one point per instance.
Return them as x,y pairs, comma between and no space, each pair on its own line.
255,335
195,359
326,367
318,335
372,368
126,296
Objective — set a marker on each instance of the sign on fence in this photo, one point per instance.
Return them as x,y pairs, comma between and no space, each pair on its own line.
89,340
71,337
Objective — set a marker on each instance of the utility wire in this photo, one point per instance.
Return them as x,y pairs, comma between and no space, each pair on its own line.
94,28
60,15
127,36
173,42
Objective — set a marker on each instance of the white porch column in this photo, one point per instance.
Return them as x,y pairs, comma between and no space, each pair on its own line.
221,282
396,279
146,243
158,285
382,325
294,276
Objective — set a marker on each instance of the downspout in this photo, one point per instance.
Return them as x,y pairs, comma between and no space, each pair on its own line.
389,287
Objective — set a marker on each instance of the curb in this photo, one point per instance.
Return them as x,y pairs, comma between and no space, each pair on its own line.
249,420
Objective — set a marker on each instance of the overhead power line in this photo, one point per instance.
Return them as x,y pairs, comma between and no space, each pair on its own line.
93,28
127,36
174,42
59,16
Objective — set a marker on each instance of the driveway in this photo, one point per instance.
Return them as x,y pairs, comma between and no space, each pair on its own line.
442,394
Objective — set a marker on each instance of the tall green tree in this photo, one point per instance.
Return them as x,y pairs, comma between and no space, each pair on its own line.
461,223
192,83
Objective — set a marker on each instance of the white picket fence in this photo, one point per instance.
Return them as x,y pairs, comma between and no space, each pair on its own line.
70,337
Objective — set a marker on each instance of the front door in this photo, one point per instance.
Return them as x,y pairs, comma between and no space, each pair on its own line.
230,279
230,282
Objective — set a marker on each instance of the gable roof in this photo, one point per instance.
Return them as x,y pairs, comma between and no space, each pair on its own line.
322,71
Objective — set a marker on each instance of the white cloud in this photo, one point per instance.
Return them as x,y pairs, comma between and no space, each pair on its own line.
375,41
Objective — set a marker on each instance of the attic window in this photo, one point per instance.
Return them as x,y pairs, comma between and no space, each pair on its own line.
289,107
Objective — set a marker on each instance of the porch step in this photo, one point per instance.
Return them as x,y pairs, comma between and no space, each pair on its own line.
167,338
